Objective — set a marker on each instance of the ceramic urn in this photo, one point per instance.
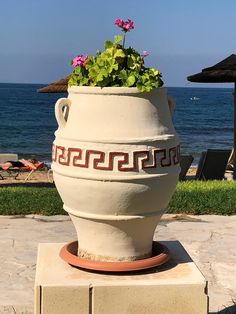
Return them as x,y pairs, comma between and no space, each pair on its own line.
116,166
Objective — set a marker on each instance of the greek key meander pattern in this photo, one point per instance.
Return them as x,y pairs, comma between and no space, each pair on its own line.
122,161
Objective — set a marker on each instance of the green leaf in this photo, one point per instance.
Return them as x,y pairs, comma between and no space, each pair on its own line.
84,81
72,81
100,62
117,39
134,62
130,62
119,53
107,53
103,73
108,44
123,75
77,70
130,80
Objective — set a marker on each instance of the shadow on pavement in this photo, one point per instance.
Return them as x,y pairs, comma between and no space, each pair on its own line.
30,184
227,310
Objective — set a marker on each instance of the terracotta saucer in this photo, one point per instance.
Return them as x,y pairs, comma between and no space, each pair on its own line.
160,255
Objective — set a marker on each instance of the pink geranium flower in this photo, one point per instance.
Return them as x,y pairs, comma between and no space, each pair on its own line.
79,60
125,25
144,54
118,22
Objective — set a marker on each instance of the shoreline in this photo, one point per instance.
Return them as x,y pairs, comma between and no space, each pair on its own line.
45,177
41,177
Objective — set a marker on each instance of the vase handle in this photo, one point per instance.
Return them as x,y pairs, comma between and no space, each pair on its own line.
171,104
62,107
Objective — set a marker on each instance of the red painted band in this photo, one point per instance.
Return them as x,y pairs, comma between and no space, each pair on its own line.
99,160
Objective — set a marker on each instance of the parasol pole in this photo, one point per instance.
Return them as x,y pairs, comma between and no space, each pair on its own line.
234,146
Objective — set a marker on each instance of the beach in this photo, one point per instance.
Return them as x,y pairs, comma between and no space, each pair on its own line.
44,177
38,178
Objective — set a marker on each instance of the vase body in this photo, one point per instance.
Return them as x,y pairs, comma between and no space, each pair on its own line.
115,165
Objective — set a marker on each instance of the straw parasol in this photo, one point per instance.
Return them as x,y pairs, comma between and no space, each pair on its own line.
222,72
56,87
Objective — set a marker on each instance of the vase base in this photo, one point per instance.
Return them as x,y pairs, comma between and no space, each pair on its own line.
83,254
160,255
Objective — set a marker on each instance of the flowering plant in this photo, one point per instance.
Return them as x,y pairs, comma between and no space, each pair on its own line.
115,66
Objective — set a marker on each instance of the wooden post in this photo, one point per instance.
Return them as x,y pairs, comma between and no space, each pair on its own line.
234,130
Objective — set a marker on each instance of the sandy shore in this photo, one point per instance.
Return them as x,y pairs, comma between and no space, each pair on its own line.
43,177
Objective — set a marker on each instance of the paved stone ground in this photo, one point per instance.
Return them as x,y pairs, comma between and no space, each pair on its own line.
209,240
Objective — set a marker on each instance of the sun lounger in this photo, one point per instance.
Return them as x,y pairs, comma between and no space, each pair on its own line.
230,163
185,163
50,175
5,158
38,166
212,164
15,171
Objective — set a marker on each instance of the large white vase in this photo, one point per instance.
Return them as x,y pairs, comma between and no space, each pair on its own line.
115,165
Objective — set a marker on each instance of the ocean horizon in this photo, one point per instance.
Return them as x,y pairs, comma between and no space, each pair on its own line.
203,119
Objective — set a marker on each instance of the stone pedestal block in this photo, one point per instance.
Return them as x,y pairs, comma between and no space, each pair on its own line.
177,287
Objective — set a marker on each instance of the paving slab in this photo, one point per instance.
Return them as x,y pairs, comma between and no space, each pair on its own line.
209,239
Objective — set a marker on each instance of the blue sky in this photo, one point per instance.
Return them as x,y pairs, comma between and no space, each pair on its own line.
39,37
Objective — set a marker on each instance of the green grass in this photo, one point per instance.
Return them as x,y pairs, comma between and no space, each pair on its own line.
191,197
209,197
30,200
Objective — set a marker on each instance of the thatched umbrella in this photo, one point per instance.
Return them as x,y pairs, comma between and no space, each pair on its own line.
222,72
56,87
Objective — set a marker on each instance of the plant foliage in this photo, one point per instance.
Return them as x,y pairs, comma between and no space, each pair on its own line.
116,66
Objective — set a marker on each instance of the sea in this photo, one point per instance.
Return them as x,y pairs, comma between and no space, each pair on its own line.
203,119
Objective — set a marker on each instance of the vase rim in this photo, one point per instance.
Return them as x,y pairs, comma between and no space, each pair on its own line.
109,90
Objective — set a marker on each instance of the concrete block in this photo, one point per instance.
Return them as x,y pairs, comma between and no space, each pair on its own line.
65,300
177,287
54,293
149,299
